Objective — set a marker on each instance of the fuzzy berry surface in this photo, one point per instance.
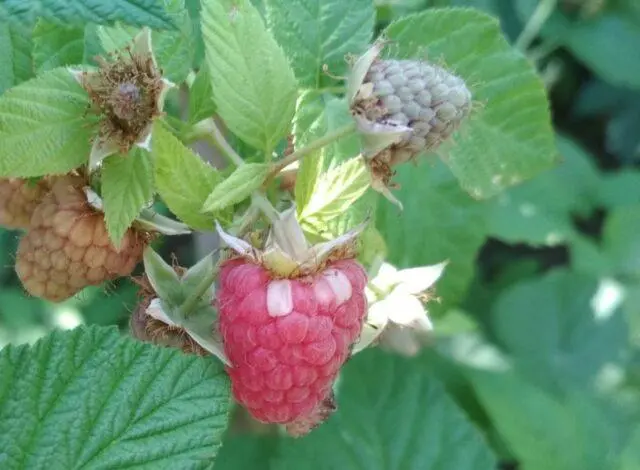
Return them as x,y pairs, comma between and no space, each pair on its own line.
18,200
425,97
287,339
67,247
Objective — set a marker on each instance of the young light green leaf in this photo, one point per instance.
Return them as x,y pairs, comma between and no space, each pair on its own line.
317,33
183,179
391,414
253,85
147,407
127,187
43,128
509,139
201,105
316,116
15,41
79,12
116,37
173,49
56,46
450,223
237,187
335,191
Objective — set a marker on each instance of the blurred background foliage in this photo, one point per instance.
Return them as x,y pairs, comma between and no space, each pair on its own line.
545,277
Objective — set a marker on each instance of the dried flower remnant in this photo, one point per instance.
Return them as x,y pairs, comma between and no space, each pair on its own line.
127,92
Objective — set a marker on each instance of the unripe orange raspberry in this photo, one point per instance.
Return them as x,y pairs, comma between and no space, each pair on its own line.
67,247
18,200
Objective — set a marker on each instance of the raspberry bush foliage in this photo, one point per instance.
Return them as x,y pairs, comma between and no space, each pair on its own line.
248,232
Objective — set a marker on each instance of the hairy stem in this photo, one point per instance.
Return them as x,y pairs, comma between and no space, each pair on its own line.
541,14
313,146
209,130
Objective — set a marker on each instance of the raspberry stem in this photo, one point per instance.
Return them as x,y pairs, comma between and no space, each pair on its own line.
208,130
313,146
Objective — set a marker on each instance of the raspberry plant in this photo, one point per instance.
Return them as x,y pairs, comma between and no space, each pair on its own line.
278,127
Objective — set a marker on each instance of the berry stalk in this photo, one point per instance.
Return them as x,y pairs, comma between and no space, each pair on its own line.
313,146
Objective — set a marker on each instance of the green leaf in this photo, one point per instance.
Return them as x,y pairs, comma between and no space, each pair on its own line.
604,43
621,188
183,179
392,414
56,46
15,42
553,326
79,12
163,277
173,49
451,225
43,129
237,187
540,211
509,138
565,432
201,105
631,455
336,191
253,85
317,33
90,398
316,116
246,452
127,187
621,243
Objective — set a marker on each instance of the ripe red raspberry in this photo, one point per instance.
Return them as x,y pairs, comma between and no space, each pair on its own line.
18,200
288,338
67,247
288,317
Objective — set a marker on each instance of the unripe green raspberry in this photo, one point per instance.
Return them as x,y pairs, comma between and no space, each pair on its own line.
424,97
403,108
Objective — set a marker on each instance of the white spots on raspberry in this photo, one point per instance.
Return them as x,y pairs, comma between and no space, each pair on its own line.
279,298
339,284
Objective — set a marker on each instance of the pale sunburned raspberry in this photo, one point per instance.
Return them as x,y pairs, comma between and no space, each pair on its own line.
18,200
67,247
287,338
